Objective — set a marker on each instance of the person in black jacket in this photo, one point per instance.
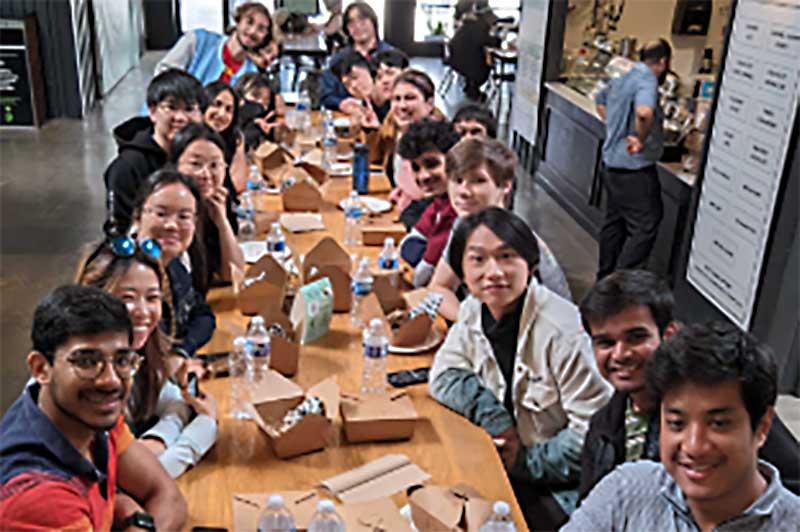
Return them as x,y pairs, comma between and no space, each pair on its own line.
174,98
628,314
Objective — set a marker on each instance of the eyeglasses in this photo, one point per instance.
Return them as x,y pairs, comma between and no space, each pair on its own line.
182,218
214,167
89,364
172,108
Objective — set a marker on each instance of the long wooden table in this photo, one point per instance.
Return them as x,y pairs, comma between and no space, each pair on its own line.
444,444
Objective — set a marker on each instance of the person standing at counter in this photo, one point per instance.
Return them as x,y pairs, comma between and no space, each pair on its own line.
629,106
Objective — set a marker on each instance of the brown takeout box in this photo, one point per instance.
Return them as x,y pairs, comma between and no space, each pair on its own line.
275,395
375,234
284,352
442,508
272,161
264,295
411,333
329,259
303,195
373,516
378,417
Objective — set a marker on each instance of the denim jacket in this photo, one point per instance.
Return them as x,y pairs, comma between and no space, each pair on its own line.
556,386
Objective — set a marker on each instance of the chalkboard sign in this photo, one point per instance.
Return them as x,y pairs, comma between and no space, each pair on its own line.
17,100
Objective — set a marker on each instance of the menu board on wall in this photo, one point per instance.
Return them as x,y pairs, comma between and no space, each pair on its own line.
756,107
530,63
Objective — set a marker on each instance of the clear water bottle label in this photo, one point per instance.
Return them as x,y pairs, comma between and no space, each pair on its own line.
362,288
259,349
374,351
388,263
354,212
253,185
277,246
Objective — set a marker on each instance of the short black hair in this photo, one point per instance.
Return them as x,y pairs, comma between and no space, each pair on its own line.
655,51
478,113
345,65
177,85
508,227
392,57
710,354
189,133
626,288
427,135
365,10
74,310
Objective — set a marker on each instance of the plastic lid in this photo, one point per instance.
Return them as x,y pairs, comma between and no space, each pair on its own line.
354,194
276,226
364,262
325,505
257,320
275,501
501,507
388,240
240,342
375,323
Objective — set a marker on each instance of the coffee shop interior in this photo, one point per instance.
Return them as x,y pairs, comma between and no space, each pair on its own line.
72,72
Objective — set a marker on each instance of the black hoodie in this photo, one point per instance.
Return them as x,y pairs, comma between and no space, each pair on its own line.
139,156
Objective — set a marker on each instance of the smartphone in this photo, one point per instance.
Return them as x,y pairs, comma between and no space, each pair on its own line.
209,529
191,384
407,377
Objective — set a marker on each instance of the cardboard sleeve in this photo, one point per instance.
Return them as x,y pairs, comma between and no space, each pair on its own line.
380,478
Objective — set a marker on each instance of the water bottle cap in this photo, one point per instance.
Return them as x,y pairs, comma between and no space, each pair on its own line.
275,501
257,320
501,507
375,323
388,241
364,262
276,226
325,505
239,342
353,194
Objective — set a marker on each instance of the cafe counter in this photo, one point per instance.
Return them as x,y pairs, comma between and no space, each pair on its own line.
570,166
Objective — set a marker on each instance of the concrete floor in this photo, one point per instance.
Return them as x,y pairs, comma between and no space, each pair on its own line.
52,205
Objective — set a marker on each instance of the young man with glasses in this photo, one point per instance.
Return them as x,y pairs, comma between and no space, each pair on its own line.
716,387
65,446
174,99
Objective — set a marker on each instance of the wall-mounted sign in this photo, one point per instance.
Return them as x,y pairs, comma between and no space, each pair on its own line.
530,64
17,97
756,107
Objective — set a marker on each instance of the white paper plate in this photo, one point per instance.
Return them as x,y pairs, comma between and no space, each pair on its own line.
373,205
255,249
434,338
341,169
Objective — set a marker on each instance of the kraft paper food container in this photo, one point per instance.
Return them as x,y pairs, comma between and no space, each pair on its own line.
329,259
443,508
378,417
304,195
373,234
313,432
373,516
389,295
284,352
383,477
271,161
261,295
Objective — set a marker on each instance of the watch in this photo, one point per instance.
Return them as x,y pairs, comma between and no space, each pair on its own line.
140,520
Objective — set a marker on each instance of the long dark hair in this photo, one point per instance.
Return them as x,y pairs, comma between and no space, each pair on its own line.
189,133
102,268
364,10
231,134
508,227
197,250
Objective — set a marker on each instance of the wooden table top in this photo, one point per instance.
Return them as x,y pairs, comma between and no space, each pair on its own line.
444,444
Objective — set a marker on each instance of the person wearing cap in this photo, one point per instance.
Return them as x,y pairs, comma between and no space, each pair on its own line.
634,142
210,56
361,28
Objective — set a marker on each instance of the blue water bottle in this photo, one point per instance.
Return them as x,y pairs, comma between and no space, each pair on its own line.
360,168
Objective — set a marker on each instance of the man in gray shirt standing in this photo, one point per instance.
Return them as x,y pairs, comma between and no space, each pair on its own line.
717,388
633,144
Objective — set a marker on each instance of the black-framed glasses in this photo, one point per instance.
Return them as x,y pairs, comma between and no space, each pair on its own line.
89,364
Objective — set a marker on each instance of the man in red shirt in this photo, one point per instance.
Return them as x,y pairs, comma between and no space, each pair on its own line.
64,443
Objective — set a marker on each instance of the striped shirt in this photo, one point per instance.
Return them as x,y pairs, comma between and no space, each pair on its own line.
643,496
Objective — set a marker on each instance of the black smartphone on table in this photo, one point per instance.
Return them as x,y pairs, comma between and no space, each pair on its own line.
408,377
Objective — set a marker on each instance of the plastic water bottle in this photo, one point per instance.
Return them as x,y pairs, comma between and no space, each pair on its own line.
254,181
329,154
376,349
388,259
361,287
326,519
258,339
247,217
303,108
276,517
327,123
276,242
240,371
353,212
500,520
